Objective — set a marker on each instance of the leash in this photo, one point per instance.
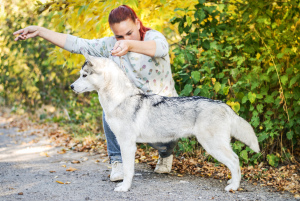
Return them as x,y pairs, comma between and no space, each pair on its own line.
121,64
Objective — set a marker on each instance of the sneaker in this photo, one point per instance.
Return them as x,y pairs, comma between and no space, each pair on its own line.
117,171
164,165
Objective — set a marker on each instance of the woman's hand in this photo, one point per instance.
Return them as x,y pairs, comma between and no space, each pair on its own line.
28,32
121,48
58,39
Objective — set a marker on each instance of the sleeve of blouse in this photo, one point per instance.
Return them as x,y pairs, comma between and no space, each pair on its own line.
162,46
95,47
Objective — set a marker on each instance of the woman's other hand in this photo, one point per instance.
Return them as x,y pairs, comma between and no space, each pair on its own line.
121,48
28,32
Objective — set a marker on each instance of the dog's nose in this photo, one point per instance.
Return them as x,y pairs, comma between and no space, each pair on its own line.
72,87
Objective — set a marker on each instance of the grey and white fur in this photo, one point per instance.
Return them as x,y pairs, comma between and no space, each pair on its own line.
134,117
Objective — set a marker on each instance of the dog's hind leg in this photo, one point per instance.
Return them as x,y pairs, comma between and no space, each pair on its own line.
128,150
224,154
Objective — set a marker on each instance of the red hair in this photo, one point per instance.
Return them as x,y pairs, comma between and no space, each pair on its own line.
124,12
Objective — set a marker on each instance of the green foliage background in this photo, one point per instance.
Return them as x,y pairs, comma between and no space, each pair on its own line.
242,52
28,75
246,54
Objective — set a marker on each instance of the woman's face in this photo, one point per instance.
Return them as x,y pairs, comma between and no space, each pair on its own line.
126,30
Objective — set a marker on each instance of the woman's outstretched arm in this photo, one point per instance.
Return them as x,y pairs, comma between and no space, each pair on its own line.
58,39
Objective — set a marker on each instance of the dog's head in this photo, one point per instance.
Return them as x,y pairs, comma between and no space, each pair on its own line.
90,74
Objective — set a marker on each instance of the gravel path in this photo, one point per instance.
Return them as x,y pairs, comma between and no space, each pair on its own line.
30,171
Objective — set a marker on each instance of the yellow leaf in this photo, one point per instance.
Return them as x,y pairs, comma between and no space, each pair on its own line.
136,160
63,151
213,80
105,160
44,154
75,71
60,182
64,166
70,169
258,56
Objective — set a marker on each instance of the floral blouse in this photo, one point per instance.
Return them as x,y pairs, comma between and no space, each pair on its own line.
151,74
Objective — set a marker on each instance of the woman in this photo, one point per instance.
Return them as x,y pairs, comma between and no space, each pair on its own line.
141,52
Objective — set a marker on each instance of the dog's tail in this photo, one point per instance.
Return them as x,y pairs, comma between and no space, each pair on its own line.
243,131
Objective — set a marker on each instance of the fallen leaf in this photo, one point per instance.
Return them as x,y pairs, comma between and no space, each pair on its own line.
232,191
21,193
75,162
297,196
105,160
63,151
64,166
60,182
44,154
67,182
52,171
70,169
180,175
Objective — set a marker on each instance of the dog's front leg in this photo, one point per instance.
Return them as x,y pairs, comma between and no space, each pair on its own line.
128,150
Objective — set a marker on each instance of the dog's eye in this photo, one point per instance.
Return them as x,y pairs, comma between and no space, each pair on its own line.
84,75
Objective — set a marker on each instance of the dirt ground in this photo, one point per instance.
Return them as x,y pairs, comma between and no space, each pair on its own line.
31,168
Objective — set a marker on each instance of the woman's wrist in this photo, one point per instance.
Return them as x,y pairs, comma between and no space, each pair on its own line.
41,31
130,45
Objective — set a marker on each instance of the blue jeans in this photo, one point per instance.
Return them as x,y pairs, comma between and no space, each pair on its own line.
113,148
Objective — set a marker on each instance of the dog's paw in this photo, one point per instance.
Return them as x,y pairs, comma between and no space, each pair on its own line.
229,181
120,184
121,187
232,186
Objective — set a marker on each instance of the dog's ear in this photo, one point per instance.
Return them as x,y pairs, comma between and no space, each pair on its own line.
88,58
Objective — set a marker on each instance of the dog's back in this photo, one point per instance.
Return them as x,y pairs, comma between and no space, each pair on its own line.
161,119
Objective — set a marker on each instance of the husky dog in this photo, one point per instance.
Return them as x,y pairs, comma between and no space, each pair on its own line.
134,117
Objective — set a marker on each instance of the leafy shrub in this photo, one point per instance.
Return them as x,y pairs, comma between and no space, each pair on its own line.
28,75
246,55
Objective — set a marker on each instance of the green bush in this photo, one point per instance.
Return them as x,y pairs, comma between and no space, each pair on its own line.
28,75
246,55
